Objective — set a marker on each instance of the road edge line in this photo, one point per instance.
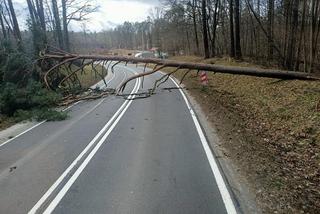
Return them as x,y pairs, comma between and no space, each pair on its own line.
224,192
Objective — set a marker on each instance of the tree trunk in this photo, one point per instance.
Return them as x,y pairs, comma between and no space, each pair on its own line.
205,29
292,35
270,27
16,29
297,63
214,28
195,28
238,53
232,51
40,10
56,16
65,25
3,28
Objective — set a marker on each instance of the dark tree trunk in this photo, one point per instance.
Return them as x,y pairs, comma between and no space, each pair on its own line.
31,13
292,35
214,28
3,28
232,51
238,53
16,29
65,25
297,63
55,12
40,10
205,29
195,28
270,27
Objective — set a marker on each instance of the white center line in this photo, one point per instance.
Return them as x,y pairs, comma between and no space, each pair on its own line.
120,112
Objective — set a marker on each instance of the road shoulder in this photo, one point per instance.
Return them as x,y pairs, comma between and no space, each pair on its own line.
240,186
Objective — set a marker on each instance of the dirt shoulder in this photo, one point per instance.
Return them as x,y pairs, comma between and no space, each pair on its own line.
270,130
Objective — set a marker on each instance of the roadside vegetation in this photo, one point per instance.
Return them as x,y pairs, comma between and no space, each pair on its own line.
22,96
271,129
22,93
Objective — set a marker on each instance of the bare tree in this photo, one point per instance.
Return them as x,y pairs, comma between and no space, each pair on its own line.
205,29
238,53
57,26
15,25
232,46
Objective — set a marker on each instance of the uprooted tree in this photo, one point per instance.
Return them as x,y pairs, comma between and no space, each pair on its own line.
60,72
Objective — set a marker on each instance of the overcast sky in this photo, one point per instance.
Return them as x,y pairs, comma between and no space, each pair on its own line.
111,13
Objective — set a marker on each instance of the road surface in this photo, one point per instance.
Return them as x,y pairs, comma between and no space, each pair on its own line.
115,155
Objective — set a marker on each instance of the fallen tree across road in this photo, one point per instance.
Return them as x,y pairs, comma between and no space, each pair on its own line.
65,60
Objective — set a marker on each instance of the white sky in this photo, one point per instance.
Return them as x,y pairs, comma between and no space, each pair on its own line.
111,13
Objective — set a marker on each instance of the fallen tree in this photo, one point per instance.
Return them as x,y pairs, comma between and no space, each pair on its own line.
54,78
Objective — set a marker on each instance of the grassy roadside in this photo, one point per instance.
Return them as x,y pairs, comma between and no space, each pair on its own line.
89,78
271,129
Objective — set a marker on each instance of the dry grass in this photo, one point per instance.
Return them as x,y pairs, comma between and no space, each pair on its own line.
279,127
89,78
5,122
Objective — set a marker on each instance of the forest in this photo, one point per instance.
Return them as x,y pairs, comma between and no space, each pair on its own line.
278,33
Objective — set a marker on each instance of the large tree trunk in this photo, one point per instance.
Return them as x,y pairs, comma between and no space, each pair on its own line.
238,53
292,35
65,59
38,28
56,16
313,33
3,28
270,27
205,29
195,28
297,63
16,29
214,27
65,25
232,51
40,9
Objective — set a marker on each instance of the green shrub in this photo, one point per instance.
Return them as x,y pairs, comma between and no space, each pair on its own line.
33,96
17,68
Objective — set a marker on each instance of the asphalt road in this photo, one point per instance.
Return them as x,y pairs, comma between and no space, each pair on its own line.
116,155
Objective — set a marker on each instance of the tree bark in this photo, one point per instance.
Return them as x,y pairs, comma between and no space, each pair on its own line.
3,28
238,53
232,50
270,27
214,28
16,29
205,29
65,25
195,28
56,16
292,35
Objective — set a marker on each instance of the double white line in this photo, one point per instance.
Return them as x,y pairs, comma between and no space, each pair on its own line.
105,131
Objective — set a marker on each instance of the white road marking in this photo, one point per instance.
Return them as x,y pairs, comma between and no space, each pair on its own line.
213,164
74,177
75,162
22,133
